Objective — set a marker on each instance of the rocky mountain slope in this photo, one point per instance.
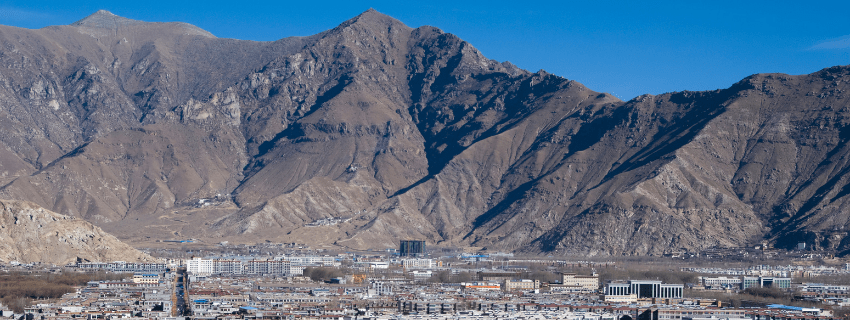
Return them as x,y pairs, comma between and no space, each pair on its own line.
29,233
374,131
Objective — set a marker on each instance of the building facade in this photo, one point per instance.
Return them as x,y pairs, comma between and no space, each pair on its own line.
411,248
521,285
417,263
200,266
314,261
645,289
585,282
149,278
227,266
720,282
765,282
121,266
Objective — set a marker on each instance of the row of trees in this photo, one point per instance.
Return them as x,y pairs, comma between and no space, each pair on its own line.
753,297
17,290
324,273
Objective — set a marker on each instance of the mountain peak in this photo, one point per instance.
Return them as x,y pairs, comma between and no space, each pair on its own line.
372,13
105,19
373,18
105,13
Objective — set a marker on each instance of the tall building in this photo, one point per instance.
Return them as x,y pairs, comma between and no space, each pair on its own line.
200,266
411,248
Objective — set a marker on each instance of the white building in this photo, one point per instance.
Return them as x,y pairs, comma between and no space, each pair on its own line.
200,266
296,270
418,263
521,285
590,283
146,278
421,274
716,282
316,261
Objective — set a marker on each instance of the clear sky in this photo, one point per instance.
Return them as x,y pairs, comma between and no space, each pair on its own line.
626,48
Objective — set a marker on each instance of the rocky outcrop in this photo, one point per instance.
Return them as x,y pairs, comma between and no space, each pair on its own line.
374,131
29,233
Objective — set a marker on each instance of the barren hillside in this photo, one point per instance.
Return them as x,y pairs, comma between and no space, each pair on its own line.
29,233
374,131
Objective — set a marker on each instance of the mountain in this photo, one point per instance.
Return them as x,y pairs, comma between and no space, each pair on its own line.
28,233
373,132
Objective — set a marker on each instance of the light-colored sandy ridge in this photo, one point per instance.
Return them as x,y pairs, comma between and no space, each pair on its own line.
29,233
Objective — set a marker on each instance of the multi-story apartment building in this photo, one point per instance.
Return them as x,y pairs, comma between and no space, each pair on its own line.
521,285
146,278
121,266
317,261
268,267
584,282
227,267
200,266
417,263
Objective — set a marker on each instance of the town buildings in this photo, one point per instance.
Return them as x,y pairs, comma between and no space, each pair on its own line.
261,288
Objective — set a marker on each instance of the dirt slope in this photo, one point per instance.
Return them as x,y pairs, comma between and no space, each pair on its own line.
29,233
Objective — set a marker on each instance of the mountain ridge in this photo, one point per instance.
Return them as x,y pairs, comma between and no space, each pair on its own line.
393,132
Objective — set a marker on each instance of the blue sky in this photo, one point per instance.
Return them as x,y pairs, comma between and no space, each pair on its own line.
626,48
